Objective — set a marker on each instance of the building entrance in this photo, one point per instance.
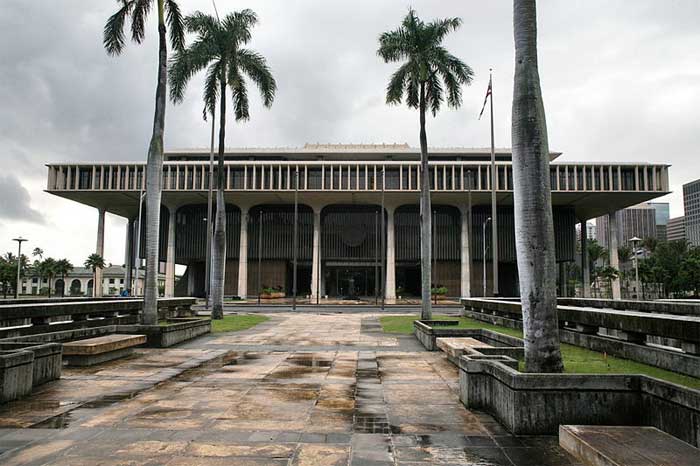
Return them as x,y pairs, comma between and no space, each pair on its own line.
350,282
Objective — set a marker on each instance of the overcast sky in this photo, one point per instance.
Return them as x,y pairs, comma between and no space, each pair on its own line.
621,82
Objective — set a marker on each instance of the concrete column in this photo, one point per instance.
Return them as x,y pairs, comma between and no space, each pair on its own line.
585,266
390,292
243,256
170,256
465,270
129,255
612,253
316,256
100,250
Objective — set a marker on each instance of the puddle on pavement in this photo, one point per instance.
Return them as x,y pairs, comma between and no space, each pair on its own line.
311,362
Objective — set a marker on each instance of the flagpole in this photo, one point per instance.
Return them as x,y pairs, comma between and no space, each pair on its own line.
494,213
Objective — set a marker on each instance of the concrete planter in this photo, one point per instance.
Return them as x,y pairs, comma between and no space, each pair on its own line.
276,295
535,404
16,374
174,332
47,363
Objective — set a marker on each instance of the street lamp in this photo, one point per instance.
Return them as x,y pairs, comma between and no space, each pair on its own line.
19,240
483,227
634,242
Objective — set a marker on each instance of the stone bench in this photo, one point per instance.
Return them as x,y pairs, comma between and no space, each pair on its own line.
101,349
628,445
456,347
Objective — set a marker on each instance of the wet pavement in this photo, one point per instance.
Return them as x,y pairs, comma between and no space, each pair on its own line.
300,389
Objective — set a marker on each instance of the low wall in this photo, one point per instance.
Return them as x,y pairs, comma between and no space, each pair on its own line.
625,334
16,374
427,333
535,404
163,336
659,307
47,363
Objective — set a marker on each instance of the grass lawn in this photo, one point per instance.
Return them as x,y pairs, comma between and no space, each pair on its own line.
235,323
576,360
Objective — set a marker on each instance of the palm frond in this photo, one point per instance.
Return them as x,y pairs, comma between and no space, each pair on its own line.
211,88
185,64
254,65
202,24
439,28
434,93
138,19
395,88
239,93
394,45
413,93
114,38
238,25
176,25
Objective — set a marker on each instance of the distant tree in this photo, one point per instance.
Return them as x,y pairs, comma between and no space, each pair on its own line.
94,262
48,271
38,252
428,77
650,243
218,48
114,41
690,271
63,268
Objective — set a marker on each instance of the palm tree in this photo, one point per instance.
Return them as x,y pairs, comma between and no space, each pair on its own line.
218,48
63,268
94,262
114,42
38,252
534,229
428,76
48,270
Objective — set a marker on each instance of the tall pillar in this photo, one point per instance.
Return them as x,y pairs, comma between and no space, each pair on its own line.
585,266
316,256
612,253
465,271
390,293
99,250
243,256
129,255
170,255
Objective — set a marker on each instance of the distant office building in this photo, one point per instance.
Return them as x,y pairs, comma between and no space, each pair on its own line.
590,229
676,229
691,204
663,214
636,221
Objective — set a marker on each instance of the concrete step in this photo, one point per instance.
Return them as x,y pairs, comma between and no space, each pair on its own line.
626,446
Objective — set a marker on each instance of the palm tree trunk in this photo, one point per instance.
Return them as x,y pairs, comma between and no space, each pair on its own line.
534,230
154,175
425,217
218,262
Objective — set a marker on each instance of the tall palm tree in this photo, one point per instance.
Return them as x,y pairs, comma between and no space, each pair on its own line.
428,76
534,228
63,268
218,48
94,262
114,41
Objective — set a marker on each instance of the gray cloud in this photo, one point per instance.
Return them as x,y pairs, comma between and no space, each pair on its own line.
15,202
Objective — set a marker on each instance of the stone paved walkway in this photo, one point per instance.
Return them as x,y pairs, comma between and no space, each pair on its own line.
300,389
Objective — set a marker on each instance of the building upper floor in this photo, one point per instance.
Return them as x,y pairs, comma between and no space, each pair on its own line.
357,169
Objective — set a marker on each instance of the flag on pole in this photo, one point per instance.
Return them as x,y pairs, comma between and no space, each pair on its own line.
488,94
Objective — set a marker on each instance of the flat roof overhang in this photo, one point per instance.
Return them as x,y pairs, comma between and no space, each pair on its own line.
588,204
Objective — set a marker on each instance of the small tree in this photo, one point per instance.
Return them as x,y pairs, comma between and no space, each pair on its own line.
48,270
63,268
94,262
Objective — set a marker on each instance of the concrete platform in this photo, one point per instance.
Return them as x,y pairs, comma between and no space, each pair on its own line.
455,347
101,349
626,446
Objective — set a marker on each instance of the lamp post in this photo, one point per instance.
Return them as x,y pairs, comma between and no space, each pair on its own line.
634,242
483,236
19,240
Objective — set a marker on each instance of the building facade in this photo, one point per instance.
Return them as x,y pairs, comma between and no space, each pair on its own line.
691,206
636,221
79,282
676,229
345,237
663,215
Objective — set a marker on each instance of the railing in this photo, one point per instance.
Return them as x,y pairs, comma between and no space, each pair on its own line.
30,319
445,176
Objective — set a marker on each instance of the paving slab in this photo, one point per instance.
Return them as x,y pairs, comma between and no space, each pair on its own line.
626,446
300,389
